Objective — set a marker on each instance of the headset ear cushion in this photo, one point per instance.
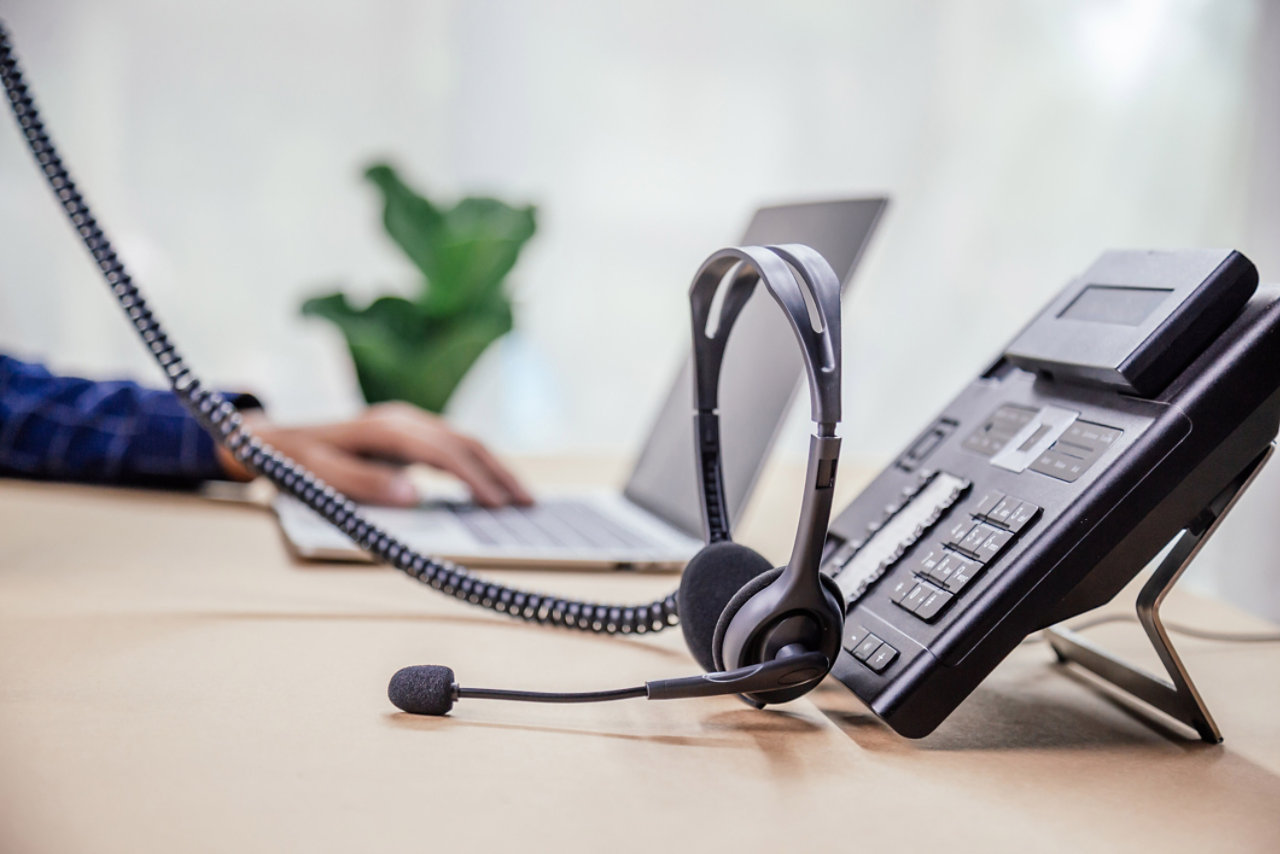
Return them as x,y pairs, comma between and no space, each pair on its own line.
733,606
709,581
751,588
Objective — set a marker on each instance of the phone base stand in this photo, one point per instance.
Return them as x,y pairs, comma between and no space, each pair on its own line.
1176,696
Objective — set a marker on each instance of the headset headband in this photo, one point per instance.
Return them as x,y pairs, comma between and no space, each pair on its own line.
772,265
777,267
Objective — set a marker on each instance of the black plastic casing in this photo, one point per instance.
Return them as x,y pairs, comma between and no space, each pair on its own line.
1201,289
1179,449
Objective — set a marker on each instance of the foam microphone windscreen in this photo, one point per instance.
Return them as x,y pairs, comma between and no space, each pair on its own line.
426,689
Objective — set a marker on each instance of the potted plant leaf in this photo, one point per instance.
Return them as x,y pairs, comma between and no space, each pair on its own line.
419,349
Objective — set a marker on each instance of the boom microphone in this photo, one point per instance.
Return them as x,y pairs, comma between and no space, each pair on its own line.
430,689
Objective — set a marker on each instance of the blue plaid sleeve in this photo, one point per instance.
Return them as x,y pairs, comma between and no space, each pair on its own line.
67,428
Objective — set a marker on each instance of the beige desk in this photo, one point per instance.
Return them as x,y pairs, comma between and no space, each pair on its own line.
170,680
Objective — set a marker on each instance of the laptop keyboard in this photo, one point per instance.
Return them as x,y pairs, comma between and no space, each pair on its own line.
554,523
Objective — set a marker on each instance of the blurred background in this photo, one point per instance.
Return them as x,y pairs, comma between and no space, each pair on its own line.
223,146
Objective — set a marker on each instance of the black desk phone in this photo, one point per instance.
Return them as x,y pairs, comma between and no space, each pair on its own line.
1109,425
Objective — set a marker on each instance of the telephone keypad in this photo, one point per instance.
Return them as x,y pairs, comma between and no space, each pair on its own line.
943,572
968,545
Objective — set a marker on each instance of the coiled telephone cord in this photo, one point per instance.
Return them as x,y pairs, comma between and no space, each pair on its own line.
221,419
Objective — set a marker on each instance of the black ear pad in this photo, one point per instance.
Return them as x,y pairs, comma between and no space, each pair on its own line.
751,588
710,580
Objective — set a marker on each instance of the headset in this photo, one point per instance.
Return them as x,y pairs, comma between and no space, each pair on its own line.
736,610
768,634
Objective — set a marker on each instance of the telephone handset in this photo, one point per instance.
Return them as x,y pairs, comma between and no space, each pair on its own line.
1108,426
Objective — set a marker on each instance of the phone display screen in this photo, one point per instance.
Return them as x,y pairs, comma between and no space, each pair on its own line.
1120,305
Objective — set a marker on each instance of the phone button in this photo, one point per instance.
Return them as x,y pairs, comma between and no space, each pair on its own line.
855,638
972,543
1058,462
943,569
867,648
1034,438
959,531
1000,513
992,545
1021,516
962,574
933,604
900,590
988,503
913,599
882,658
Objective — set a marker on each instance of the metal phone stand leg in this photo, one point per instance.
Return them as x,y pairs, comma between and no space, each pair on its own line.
1176,696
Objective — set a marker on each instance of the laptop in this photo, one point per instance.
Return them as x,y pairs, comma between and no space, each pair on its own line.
656,520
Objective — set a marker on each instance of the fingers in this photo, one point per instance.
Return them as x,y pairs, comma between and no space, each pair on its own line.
499,472
412,436
486,486
406,434
447,452
361,480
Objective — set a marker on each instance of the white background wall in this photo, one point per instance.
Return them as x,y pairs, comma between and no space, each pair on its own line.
222,144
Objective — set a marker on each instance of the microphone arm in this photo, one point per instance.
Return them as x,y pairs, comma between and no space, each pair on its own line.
787,671
431,689
460,693
783,673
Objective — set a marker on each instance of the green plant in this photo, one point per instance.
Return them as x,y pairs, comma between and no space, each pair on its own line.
419,349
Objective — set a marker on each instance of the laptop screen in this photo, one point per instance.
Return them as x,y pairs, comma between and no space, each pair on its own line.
762,371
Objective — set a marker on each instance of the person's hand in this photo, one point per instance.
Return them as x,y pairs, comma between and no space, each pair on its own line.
365,457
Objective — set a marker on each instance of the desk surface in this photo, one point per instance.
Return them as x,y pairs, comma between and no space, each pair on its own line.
171,680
